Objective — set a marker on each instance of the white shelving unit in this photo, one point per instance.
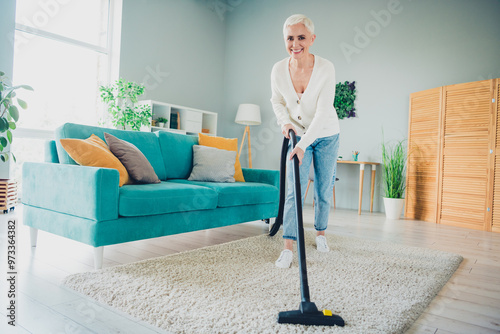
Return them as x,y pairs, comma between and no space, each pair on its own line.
189,120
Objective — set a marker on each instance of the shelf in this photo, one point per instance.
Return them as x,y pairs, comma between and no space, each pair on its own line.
8,195
157,128
182,119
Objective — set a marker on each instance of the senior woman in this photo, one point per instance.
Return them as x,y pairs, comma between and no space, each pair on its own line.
303,90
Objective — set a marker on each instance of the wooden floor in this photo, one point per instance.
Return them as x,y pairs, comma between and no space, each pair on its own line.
469,303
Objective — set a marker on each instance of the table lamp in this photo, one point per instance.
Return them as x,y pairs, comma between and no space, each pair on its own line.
248,114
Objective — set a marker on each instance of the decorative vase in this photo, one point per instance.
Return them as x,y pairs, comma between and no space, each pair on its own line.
393,207
355,155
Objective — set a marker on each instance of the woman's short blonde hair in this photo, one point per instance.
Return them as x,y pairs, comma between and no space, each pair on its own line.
299,18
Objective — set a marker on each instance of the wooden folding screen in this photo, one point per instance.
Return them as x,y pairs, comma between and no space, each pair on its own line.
496,183
452,176
423,164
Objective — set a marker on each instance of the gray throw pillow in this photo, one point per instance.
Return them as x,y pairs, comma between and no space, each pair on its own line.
137,165
212,164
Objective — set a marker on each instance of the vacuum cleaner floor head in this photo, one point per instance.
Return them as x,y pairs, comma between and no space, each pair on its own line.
309,319
309,315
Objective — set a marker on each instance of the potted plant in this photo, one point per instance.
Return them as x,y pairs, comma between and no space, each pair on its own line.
162,122
9,113
121,98
394,160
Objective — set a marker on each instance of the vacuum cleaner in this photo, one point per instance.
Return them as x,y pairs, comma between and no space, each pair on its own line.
308,313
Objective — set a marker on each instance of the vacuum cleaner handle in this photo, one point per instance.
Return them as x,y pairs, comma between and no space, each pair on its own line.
301,249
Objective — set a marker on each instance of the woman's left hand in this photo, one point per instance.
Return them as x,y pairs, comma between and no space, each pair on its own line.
299,153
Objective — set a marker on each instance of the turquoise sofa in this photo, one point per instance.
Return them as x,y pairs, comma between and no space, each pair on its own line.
87,205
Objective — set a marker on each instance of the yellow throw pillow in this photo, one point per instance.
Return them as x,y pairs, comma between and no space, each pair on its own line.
90,152
98,141
224,144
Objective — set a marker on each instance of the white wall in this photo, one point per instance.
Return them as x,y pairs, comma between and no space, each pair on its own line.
7,26
422,44
192,53
176,48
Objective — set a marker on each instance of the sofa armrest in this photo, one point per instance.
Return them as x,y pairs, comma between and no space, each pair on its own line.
87,192
267,176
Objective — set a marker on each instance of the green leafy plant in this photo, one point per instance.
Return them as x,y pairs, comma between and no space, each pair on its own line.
394,161
9,113
121,97
162,120
345,94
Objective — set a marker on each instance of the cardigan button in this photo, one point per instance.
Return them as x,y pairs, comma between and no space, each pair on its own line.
299,118
298,101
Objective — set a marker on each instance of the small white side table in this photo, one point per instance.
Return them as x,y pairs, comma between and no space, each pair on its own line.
361,177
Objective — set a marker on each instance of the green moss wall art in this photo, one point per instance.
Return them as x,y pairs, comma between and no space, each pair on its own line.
345,94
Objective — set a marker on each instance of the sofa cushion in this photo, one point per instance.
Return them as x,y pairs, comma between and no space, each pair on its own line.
212,164
177,152
91,152
166,197
146,142
137,165
238,193
224,144
93,139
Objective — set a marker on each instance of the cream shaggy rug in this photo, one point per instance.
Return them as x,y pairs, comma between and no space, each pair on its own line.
235,287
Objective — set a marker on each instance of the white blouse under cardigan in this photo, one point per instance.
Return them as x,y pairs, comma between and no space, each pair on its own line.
313,115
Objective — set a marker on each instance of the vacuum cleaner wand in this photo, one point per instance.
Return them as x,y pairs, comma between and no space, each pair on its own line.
308,313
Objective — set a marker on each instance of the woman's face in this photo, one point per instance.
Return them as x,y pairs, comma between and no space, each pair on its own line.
298,39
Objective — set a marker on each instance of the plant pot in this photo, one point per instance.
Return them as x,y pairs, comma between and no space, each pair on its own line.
393,207
161,124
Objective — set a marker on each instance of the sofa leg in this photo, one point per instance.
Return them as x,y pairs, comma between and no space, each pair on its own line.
98,255
33,236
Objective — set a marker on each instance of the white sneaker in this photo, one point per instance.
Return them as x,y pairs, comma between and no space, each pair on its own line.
285,259
321,244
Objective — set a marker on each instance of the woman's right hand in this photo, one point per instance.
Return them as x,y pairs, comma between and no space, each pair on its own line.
286,129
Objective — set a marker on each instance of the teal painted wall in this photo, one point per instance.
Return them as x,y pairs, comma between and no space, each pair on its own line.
390,48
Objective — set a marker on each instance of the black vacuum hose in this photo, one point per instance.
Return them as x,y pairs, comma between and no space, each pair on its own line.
279,219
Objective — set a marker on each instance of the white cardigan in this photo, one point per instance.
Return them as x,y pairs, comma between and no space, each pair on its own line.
313,115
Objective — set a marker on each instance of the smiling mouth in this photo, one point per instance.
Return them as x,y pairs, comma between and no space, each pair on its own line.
296,50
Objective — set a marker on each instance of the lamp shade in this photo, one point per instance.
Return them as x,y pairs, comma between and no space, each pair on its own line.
248,114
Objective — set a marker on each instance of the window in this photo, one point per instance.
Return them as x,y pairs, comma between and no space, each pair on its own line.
64,49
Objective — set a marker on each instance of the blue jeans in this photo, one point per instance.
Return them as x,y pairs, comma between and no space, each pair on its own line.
324,151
